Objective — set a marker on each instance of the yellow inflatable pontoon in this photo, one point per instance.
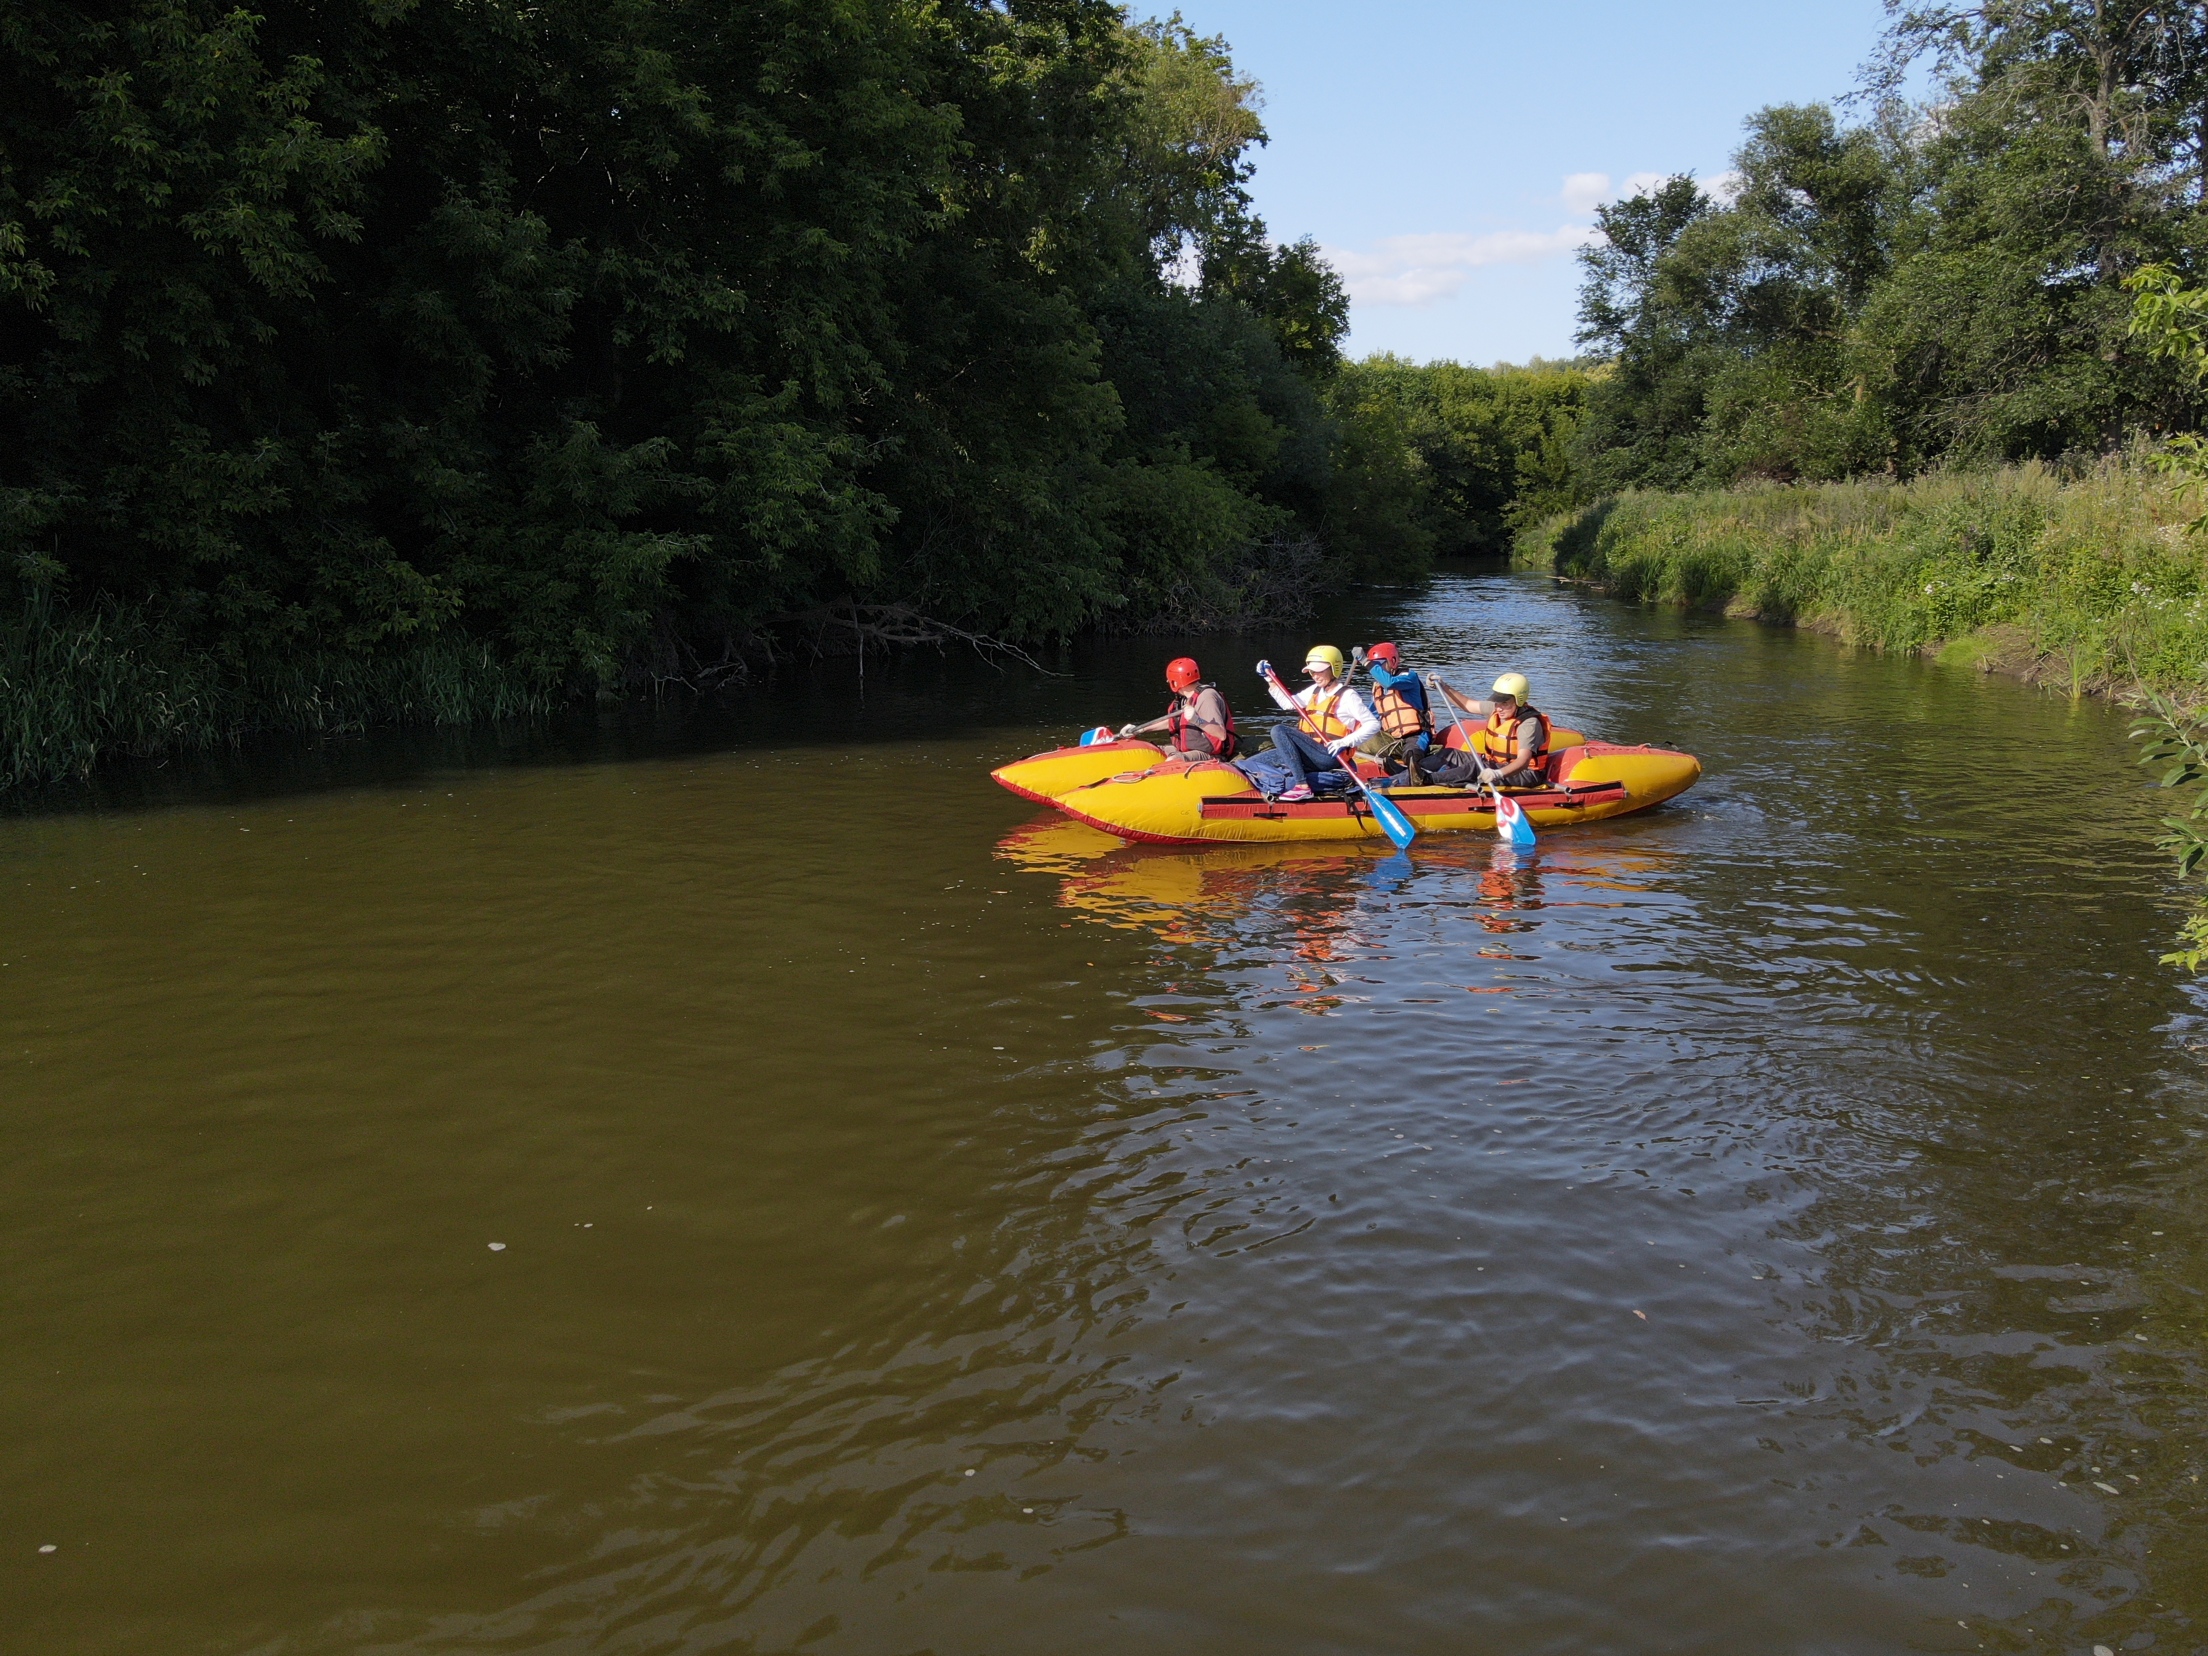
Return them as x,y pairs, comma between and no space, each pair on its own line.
1204,802
1044,777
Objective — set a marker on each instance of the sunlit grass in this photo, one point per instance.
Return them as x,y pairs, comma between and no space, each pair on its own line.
2089,582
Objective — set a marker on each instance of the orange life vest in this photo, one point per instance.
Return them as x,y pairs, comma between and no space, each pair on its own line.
1396,714
1190,737
1498,738
1322,716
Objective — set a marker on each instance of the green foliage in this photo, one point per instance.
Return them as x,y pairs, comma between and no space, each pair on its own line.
2087,583
2172,320
75,687
561,343
2175,739
1938,285
1476,453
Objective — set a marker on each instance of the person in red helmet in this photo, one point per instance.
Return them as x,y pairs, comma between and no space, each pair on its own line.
1198,723
1399,703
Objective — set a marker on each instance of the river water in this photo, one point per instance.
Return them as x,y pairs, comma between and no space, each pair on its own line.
739,1182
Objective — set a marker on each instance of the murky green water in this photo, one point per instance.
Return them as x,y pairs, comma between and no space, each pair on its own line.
1770,1225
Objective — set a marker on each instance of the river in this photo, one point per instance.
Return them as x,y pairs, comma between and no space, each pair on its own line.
735,1181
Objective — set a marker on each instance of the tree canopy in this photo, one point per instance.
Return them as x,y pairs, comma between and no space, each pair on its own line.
1935,283
605,340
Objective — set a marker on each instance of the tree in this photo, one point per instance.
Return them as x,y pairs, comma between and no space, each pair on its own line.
542,349
1644,418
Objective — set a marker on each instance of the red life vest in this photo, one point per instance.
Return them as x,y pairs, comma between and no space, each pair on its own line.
1190,737
1498,738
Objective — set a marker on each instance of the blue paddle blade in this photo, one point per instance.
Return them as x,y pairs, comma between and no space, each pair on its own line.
1393,822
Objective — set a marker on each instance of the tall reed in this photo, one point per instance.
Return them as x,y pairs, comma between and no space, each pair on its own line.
76,688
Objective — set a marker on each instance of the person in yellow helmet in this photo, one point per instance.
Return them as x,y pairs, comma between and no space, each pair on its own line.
1328,705
1510,750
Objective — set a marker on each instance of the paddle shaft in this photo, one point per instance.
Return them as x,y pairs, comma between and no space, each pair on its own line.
1456,719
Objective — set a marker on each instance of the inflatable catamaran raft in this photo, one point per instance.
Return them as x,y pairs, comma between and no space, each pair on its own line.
1138,792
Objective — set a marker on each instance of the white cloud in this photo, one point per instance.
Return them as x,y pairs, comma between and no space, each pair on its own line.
1584,192
1417,270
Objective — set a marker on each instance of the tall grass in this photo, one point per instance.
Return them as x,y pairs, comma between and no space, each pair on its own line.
79,688
2089,581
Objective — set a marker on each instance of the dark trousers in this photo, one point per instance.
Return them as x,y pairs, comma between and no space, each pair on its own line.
1305,755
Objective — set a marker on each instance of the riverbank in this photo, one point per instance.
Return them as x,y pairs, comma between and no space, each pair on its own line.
78,690
2090,583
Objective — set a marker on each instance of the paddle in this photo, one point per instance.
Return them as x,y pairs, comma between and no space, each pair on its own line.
1511,825
1386,811
1456,719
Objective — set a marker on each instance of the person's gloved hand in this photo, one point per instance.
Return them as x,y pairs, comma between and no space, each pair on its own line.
1265,671
1125,731
1357,655
1341,744
1488,773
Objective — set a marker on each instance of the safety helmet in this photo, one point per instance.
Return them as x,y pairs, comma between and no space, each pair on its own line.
1182,672
1387,654
1514,686
1323,655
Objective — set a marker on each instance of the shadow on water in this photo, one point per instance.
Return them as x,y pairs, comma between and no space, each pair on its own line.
1771,1223
915,696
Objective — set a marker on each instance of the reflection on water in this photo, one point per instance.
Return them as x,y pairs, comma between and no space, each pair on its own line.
1772,1223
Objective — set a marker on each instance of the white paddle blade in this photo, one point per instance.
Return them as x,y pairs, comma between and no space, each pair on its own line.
1511,826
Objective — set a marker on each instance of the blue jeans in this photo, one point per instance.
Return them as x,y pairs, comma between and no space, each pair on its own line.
1304,754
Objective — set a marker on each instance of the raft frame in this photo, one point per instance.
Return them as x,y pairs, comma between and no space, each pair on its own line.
1419,804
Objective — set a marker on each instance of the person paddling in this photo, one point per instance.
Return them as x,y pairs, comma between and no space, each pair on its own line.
1198,722
1330,707
1509,750
1399,703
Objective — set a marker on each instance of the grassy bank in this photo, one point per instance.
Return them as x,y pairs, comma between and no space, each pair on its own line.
2090,582
76,689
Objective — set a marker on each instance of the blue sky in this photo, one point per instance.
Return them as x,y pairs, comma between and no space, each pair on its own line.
1448,153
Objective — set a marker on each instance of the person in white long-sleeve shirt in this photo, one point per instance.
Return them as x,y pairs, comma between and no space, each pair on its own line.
1339,714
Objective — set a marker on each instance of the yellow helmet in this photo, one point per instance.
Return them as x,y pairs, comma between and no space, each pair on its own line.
1514,686
1323,654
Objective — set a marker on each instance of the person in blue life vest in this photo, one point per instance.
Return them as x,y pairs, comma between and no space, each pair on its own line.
1399,702
1198,723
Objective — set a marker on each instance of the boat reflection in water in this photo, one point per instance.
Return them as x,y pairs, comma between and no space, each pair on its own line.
1312,897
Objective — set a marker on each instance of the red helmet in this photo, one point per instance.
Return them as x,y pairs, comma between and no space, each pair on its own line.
1388,655
1180,674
